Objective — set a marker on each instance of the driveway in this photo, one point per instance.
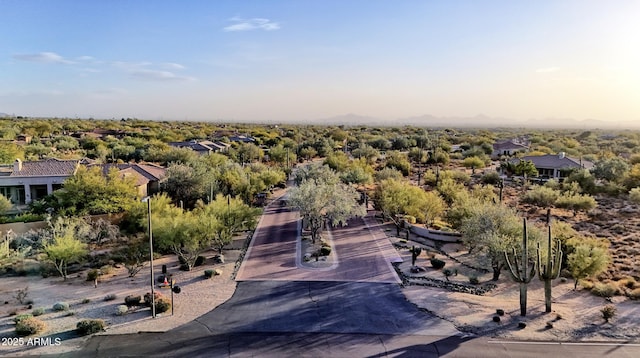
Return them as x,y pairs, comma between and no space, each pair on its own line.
363,252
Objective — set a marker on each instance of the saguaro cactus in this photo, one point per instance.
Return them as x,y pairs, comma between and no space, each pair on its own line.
520,270
550,270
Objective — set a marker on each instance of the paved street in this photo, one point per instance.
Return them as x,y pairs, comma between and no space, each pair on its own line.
355,309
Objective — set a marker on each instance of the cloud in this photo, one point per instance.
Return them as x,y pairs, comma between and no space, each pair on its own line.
251,24
548,69
173,66
43,57
153,75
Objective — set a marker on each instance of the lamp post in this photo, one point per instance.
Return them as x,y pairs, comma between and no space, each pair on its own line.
147,199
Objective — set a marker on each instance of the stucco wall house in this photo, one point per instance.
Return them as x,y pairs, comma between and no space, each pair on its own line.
509,147
554,166
24,182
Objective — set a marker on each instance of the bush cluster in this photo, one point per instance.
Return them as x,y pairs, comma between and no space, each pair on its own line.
131,300
437,263
121,310
29,326
605,289
38,311
92,275
89,326
21,317
110,297
60,306
163,304
209,273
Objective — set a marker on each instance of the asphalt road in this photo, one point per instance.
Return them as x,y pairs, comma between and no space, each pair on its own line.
270,316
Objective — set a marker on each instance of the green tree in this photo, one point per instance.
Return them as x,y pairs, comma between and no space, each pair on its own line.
399,161
610,169
584,179
224,217
397,198
187,183
325,201
587,260
9,152
89,191
63,249
176,230
490,229
526,167
367,152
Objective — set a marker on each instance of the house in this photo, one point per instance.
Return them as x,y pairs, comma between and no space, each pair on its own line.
24,182
554,166
241,138
509,147
202,147
148,176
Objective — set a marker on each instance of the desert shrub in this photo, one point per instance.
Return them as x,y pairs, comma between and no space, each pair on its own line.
500,312
131,300
106,270
21,317
447,273
634,195
92,275
634,294
147,298
437,263
60,306
38,311
85,301
496,318
608,312
209,273
605,289
628,282
492,178
410,219
110,297
121,310
473,279
70,313
325,250
89,326
29,326
541,196
163,305
200,260
21,295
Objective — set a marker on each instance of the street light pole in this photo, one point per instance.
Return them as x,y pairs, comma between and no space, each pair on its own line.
153,293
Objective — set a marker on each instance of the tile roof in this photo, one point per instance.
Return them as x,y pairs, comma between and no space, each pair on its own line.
144,173
47,167
555,161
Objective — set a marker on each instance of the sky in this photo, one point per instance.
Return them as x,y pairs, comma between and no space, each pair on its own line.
304,60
